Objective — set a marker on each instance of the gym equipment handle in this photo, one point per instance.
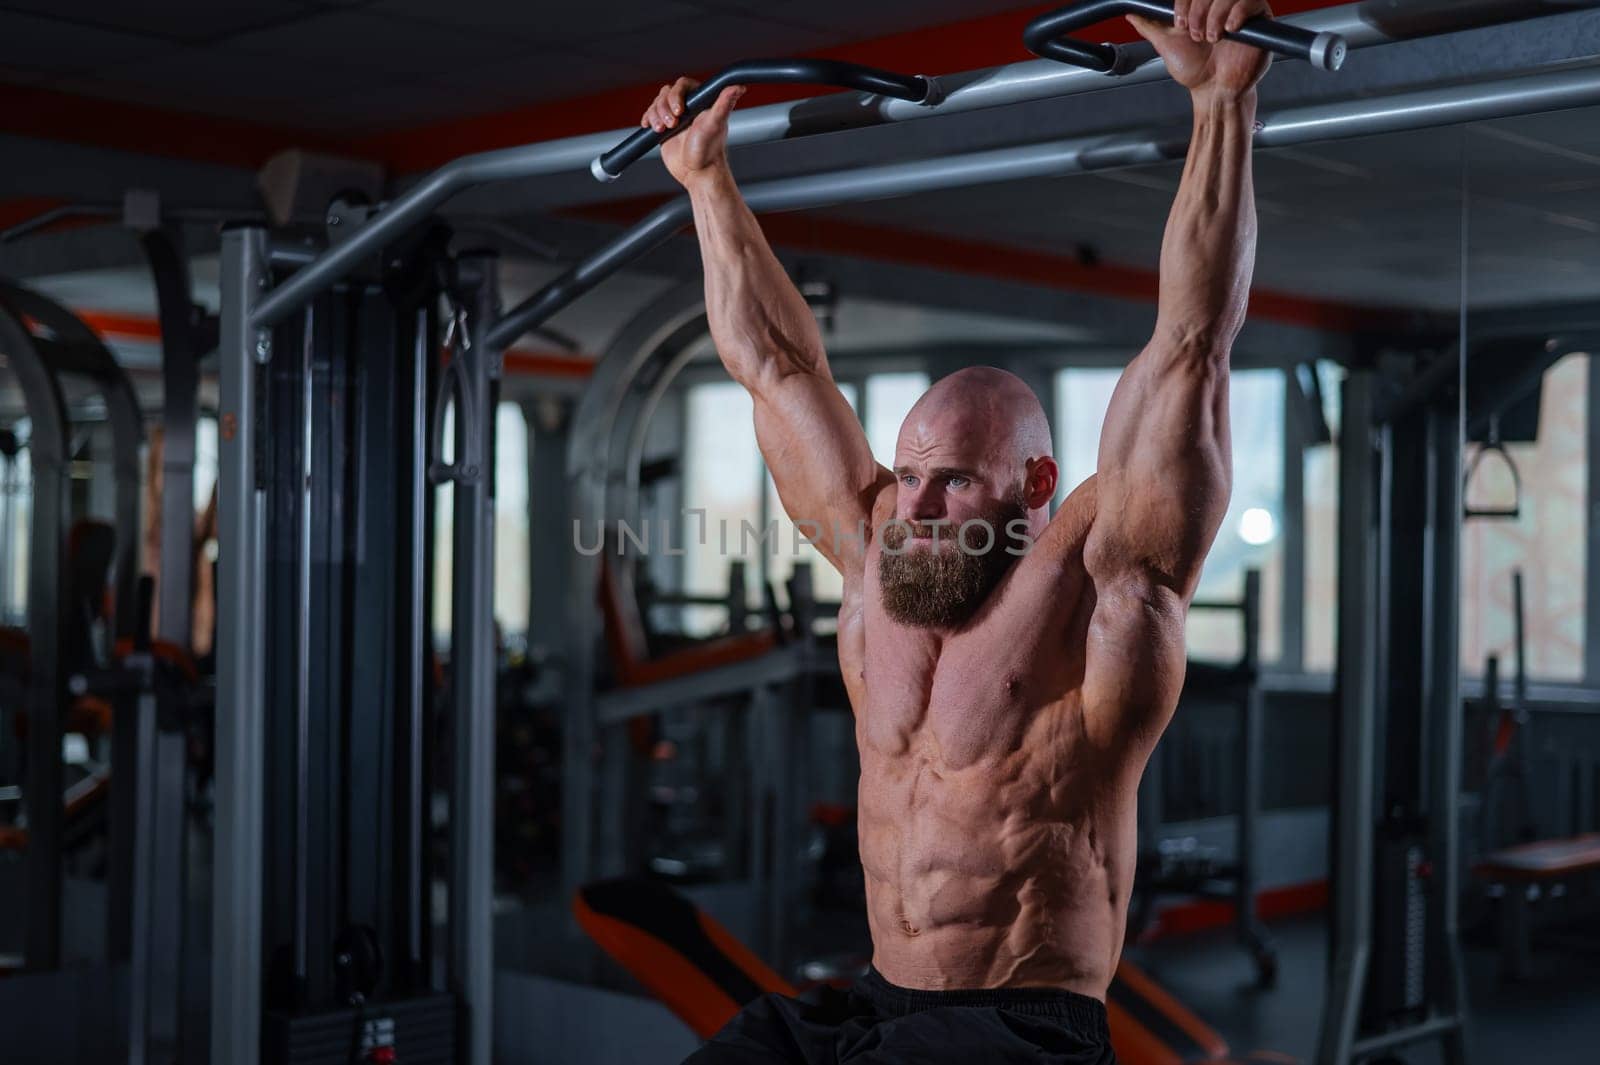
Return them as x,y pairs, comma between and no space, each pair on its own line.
637,145
1046,36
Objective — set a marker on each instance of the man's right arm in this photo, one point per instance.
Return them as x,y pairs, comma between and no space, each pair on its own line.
768,339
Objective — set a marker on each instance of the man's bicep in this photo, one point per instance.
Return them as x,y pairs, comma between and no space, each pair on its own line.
820,460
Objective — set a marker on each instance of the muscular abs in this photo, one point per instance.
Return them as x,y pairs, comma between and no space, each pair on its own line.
997,840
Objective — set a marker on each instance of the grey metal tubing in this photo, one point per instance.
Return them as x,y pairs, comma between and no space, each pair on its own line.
1356,721
180,380
1520,94
472,684
1445,722
973,90
300,955
417,650
158,923
241,716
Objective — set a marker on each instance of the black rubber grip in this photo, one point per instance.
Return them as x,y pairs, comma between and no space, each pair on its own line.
1047,36
637,145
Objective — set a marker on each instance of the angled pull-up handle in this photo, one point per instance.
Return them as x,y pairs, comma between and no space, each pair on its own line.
1046,36
637,145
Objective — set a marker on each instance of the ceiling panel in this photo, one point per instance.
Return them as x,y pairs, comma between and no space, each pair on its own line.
708,42
31,43
543,22
861,20
178,20
542,75
382,45
395,106
235,75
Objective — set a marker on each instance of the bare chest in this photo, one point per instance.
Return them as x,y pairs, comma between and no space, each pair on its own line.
978,696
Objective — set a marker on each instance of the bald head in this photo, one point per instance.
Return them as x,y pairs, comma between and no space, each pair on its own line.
990,411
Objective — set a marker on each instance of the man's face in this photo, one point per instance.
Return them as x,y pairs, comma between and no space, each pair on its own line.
954,505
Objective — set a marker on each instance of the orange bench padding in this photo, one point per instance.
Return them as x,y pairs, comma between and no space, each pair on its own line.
688,961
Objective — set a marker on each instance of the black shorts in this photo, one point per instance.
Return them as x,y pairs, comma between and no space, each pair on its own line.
877,1022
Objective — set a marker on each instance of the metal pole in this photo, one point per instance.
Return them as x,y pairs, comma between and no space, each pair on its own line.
9,488
418,653
968,91
241,718
155,1006
473,673
1448,727
180,381
1251,722
1356,716
1443,105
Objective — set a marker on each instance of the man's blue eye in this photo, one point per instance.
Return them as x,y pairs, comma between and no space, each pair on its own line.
957,482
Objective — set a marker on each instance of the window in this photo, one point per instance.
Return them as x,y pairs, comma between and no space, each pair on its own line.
205,460
511,588
1251,532
722,476
1546,542
511,592
16,518
1320,463
890,397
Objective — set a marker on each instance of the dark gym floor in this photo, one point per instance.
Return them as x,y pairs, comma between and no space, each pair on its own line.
1553,1019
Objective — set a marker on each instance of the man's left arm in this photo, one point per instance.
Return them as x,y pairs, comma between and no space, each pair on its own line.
1164,473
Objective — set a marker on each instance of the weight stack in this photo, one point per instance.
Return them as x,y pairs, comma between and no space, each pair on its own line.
416,1031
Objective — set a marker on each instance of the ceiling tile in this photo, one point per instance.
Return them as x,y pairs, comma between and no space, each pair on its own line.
28,42
851,20
544,75
544,22
383,45
706,43
178,20
396,106
213,71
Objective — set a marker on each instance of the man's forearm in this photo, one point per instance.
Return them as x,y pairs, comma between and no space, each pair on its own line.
760,323
1208,253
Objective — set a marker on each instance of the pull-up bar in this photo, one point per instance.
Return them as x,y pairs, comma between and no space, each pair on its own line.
950,94
968,91
1046,37
916,89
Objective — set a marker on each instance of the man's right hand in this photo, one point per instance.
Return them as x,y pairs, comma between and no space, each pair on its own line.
701,148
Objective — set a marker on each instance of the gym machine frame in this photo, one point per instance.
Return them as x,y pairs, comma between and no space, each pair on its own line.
67,346
1399,727
251,307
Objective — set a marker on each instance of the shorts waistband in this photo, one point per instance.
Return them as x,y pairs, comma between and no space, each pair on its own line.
1080,1012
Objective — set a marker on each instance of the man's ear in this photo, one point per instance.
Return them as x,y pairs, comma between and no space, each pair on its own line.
1039,485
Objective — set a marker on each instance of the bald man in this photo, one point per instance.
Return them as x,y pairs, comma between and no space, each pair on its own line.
1006,700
